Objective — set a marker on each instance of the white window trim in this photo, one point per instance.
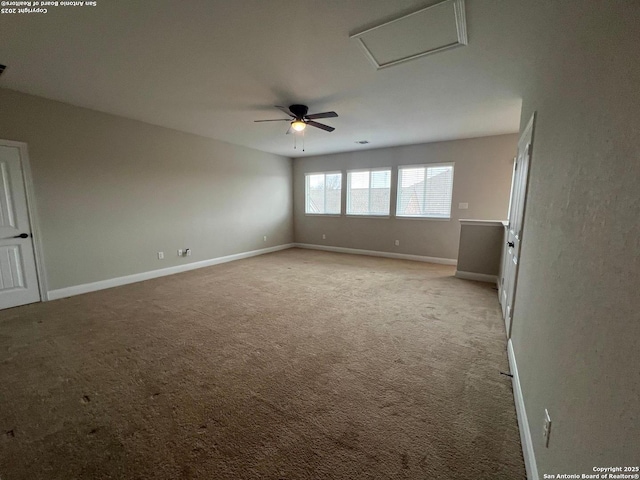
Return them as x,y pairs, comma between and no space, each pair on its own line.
311,214
368,214
424,165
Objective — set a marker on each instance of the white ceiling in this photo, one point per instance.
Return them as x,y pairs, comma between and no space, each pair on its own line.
211,67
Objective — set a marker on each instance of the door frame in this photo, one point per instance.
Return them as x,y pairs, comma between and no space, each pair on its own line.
528,130
33,215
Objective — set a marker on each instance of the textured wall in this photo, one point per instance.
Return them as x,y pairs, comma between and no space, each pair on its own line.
112,192
576,329
482,178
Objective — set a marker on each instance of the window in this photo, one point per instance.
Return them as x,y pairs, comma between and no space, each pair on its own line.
368,192
425,191
323,193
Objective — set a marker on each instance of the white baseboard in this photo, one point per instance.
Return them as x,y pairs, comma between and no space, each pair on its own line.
139,277
479,277
523,422
376,253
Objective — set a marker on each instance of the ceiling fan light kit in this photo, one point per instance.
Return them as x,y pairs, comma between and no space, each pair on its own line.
298,125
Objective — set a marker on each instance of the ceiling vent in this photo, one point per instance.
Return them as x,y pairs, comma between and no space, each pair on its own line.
2,67
427,31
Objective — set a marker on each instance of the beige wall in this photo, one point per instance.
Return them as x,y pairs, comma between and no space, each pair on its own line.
482,178
480,249
112,192
576,326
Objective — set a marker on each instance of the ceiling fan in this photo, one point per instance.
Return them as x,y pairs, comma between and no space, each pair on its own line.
299,118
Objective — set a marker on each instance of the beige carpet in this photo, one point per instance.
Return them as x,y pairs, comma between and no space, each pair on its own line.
293,365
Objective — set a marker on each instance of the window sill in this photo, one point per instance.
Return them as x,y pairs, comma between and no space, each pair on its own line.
322,215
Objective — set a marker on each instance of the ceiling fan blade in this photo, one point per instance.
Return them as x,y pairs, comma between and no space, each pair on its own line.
320,125
285,110
321,115
275,120
289,130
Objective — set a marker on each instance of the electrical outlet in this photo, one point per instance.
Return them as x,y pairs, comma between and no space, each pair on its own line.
397,243
324,237
160,255
463,206
179,252
546,430
264,239
187,252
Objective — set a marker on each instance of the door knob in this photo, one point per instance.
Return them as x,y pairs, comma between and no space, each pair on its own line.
511,244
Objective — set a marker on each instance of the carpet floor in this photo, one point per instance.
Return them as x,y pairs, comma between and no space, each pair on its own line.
293,365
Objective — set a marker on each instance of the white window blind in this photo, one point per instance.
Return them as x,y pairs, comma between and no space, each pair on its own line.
368,192
323,192
425,191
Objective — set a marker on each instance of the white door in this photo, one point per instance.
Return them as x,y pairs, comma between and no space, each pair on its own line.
505,251
516,218
18,275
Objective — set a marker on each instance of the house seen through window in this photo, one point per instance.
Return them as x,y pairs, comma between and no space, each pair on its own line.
323,192
368,192
425,191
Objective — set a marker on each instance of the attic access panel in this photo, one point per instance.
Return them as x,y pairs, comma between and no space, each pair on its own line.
429,30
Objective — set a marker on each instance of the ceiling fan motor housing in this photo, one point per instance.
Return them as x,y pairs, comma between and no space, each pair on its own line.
299,110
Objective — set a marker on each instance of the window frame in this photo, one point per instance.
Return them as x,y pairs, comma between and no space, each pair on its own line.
306,192
370,170
425,166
